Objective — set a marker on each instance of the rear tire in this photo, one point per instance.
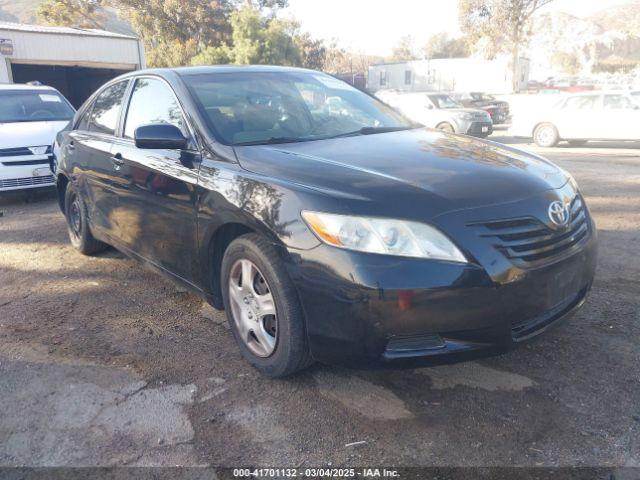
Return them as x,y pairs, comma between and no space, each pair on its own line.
446,127
80,235
284,351
546,135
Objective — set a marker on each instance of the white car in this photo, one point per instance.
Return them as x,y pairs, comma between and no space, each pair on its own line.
30,118
581,117
439,110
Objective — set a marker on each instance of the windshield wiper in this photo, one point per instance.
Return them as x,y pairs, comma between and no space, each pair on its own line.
361,131
273,141
372,131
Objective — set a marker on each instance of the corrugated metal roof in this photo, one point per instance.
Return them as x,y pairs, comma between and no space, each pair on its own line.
90,32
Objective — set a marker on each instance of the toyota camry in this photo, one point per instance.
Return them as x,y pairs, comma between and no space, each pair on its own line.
327,226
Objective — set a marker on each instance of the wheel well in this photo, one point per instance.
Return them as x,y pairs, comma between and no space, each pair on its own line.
218,245
445,123
61,185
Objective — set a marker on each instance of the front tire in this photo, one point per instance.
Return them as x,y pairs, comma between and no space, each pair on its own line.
546,135
78,223
262,308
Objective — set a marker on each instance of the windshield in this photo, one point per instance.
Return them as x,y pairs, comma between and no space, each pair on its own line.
444,101
266,107
33,106
482,96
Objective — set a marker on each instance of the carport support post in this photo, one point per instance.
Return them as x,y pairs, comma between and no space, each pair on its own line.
5,70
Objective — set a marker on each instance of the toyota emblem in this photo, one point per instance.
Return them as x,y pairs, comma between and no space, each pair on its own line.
558,213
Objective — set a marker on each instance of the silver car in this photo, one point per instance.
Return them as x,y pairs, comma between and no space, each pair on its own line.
578,118
439,110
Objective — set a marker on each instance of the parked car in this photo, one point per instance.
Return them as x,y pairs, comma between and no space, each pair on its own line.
30,118
581,117
439,110
345,235
498,110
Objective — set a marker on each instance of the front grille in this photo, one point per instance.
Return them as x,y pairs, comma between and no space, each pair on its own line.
476,128
529,241
15,152
18,152
22,163
26,182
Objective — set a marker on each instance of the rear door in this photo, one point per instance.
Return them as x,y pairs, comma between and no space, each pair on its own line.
158,192
89,149
620,118
579,117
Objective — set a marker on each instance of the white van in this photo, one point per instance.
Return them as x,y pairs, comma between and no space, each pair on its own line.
30,118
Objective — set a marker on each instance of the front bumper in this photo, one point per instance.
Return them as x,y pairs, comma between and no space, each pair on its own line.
480,129
366,310
19,169
22,177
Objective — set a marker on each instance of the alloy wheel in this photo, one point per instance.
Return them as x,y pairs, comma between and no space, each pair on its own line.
75,218
253,308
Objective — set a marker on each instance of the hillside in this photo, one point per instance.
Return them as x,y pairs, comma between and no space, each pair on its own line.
24,11
624,18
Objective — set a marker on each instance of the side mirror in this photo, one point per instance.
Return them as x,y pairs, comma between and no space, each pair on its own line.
160,136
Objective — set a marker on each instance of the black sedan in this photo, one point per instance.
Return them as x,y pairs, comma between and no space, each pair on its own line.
497,109
325,224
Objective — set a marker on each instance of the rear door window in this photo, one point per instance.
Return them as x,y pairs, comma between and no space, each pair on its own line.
106,109
582,102
617,102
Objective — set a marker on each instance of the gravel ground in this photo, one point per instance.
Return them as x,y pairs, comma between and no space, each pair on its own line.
105,363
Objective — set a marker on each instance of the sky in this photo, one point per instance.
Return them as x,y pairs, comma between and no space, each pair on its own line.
375,26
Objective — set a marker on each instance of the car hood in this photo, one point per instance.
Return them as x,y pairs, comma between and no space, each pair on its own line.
29,134
441,171
463,110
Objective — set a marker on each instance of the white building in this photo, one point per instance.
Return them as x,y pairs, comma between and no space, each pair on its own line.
450,74
75,61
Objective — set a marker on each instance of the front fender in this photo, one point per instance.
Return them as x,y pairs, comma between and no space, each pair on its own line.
228,194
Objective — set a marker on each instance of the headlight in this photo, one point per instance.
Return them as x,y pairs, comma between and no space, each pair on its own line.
467,116
381,235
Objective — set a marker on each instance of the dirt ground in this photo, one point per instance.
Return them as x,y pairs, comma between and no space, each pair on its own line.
103,362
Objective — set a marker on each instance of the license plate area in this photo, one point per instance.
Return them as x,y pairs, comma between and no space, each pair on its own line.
485,129
563,285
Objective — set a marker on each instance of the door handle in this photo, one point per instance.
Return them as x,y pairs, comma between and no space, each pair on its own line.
117,161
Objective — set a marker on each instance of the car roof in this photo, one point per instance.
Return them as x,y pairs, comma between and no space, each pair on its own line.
208,69
598,92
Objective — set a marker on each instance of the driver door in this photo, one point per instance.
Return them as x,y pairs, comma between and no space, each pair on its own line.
158,198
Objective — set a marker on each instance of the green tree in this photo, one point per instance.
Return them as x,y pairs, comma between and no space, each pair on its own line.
313,51
441,45
504,25
404,50
568,62
256,39
72,13
175,30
